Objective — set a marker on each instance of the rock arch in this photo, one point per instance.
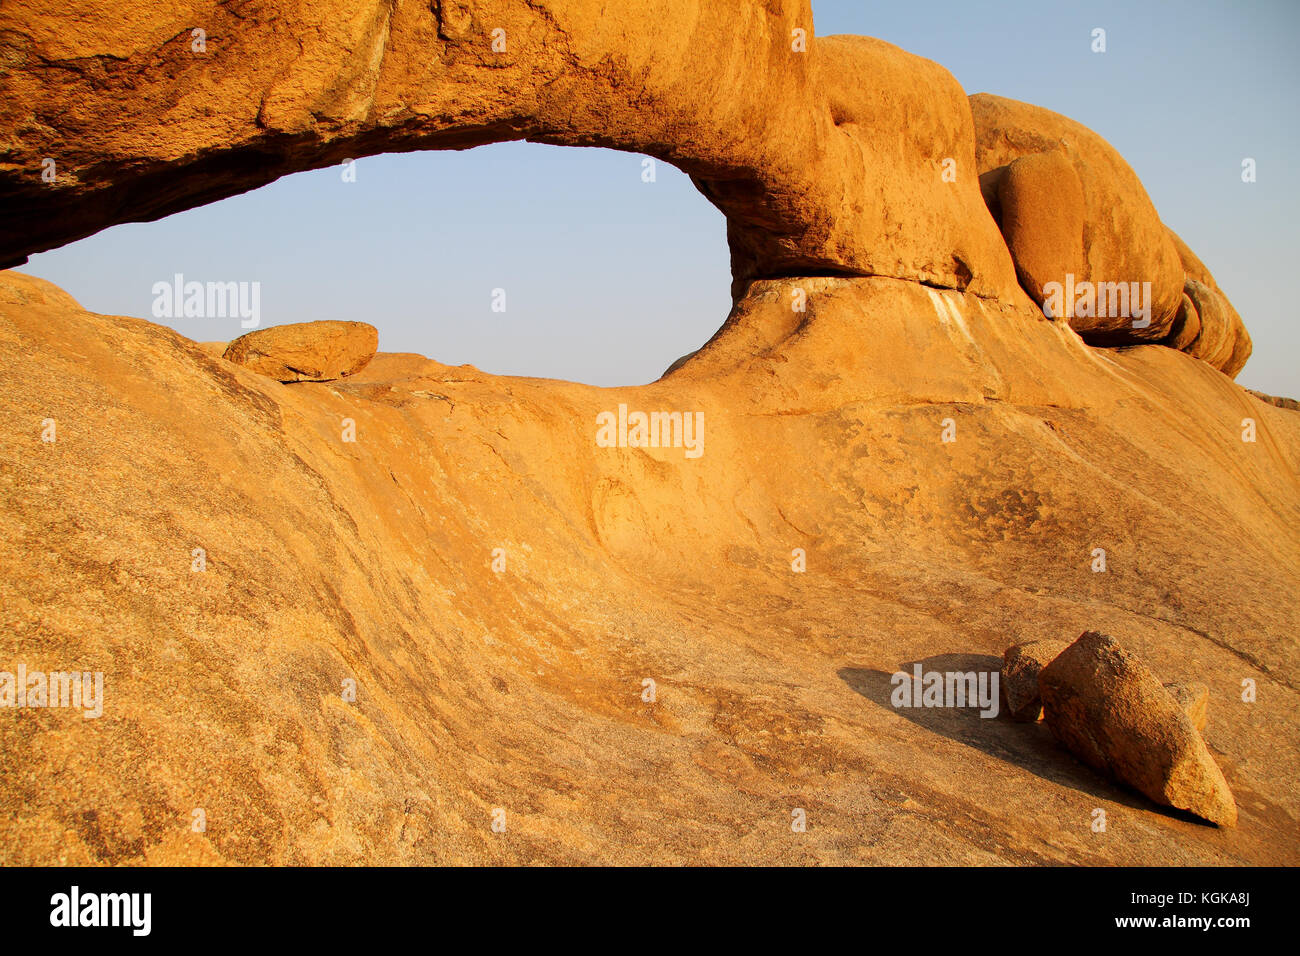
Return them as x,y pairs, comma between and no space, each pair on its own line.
826,155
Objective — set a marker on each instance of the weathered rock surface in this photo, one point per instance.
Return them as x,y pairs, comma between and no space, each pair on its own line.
1042,214
1124,240
1194,699
1221,324
1114,714
1276,400
678,364
306,351
496,585
1021,664
793,138
828,155
523,690
1242,346
1186,327
1222,339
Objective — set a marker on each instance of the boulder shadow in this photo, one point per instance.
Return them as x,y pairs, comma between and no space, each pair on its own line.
1030,746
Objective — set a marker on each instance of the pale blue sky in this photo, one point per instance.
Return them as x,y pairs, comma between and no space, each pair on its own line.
609,279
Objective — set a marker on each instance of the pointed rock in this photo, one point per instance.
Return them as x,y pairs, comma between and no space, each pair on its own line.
1114,714
1194,699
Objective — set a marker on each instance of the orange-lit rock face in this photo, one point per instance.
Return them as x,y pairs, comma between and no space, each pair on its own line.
500,587
306,351
828,156
1038,169
1110,710
795,139
364,620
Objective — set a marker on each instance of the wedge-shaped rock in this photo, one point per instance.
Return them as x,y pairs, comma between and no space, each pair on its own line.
1194,699
1114,714
1021,665
306,351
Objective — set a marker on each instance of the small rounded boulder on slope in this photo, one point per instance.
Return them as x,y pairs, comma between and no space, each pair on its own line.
306,351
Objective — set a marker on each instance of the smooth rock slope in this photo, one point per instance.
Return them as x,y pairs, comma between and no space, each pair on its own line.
424,614
524,689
